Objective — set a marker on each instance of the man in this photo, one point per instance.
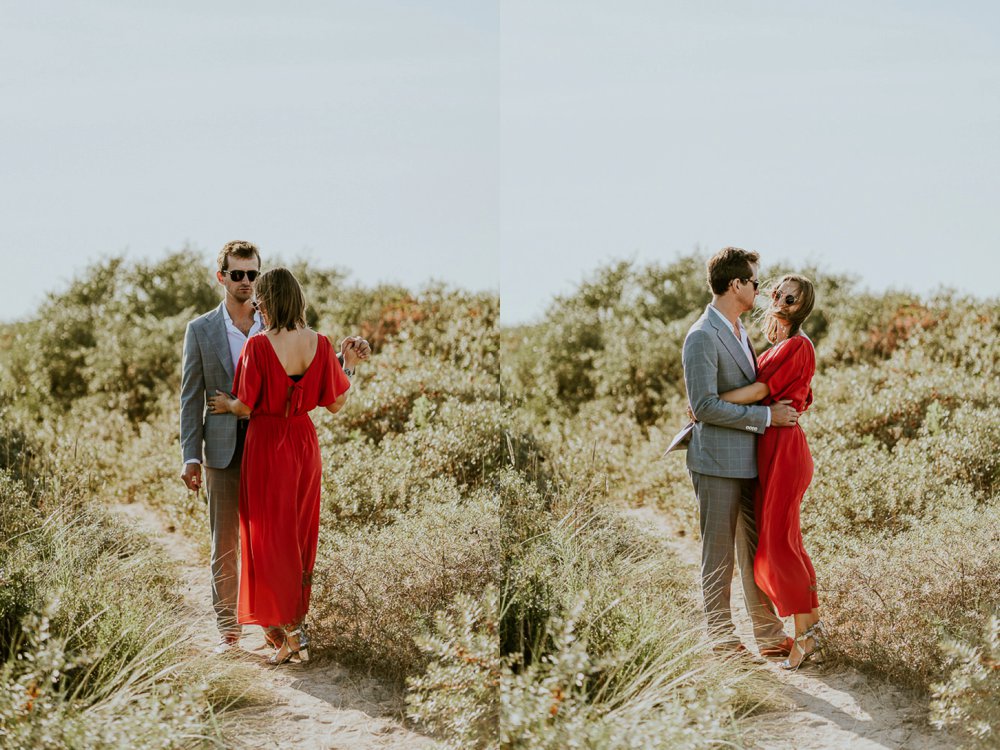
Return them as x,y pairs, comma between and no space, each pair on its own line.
212,346
722,454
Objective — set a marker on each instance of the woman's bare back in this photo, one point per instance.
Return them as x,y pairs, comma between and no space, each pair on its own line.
295,349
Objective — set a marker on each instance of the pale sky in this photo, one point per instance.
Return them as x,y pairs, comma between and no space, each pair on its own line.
508,145
359,134
862,135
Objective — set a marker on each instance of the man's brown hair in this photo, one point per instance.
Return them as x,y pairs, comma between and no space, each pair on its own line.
279,293
237,249
728,264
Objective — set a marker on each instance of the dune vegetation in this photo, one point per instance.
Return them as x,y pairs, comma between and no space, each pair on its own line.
473,547
409,527
902,518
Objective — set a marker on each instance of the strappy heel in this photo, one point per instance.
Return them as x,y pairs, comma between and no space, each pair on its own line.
817,633
297,643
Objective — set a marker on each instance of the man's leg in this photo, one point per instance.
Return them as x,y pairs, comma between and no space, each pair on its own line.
718,508
223,488
767,627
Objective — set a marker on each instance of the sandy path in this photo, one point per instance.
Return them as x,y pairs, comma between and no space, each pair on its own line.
318,706
833,709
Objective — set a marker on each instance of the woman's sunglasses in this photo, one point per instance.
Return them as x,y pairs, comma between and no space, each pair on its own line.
238,275
776,296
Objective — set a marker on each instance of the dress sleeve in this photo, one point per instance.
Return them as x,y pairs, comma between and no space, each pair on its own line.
334,382
787,366
247,382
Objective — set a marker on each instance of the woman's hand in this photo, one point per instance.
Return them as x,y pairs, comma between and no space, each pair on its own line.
220,403
691,417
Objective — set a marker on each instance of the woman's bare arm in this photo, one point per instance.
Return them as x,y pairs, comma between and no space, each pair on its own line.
748,394
338,404
221,403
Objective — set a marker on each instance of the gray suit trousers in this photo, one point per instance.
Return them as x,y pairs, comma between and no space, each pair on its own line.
727,520
223,489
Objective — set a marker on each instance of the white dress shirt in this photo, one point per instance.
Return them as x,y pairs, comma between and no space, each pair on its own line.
235,335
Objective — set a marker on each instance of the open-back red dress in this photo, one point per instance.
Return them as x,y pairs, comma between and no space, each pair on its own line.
782,568
280,480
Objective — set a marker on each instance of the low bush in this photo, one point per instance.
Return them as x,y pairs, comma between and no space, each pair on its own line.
458,698
969,698
892,600
93,660
377,588
601,634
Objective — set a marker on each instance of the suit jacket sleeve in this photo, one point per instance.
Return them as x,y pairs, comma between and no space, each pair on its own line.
192,398
701,377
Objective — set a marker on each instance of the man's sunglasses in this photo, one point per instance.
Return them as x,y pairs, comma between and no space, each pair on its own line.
755,283
238,275
776,296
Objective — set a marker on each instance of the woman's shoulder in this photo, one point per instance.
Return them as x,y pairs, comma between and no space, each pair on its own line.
800,347
789,346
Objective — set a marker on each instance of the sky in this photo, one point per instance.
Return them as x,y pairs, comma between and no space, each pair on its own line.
507,146
363,135
862,136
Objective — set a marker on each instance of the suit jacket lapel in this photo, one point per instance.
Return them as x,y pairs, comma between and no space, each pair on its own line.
753,353
220,341
728,340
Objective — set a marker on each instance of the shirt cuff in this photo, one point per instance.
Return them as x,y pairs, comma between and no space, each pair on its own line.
192,461
768,423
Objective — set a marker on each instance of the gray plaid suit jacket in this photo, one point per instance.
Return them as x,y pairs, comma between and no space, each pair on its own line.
207,367
724,440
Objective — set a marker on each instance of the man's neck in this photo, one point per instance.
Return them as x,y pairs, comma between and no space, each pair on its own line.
237,310
729,307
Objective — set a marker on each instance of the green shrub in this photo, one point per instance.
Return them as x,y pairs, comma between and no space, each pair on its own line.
890,601
50,698
664,694
378,588
969,698
92,660
458,697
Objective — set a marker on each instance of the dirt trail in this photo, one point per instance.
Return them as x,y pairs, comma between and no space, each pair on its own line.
834,709
318,706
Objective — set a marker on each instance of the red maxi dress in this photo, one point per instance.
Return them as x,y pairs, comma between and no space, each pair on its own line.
280,480
782,569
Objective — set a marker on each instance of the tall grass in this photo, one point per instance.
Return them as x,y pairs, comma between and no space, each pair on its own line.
93,648
601,639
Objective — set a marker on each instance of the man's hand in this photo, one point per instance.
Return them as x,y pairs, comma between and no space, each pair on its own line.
192,476
354,349
782,415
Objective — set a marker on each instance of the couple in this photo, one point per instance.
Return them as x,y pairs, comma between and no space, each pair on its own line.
748,485
259,447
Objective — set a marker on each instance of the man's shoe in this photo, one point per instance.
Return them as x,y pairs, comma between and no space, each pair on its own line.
778,650
227,641
729,648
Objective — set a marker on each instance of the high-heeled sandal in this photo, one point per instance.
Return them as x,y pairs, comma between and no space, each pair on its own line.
297,643
817,633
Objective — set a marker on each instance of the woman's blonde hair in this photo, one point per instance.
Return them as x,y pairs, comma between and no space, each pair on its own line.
279,292
806,299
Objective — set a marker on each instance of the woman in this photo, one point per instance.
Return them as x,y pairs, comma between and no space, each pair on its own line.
782,568
283,373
